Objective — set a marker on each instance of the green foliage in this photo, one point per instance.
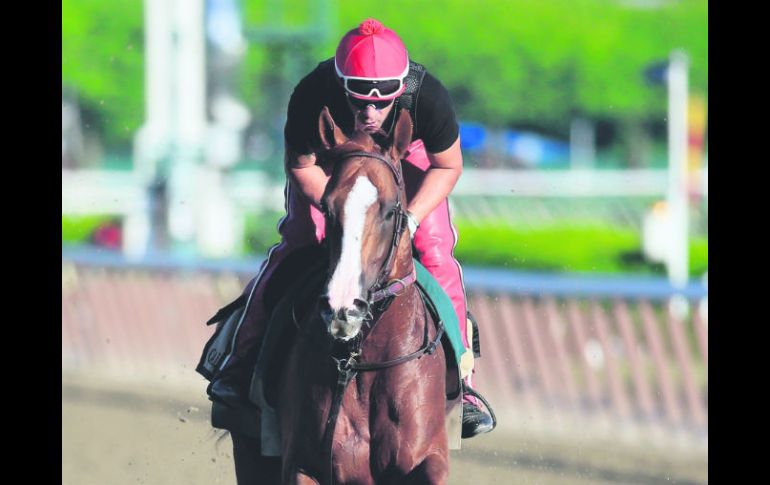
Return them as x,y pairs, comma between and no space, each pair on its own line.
559,247
505,62
537,63
562,248
261,232
103,63
77,229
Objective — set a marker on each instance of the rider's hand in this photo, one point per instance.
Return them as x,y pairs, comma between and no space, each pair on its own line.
411,223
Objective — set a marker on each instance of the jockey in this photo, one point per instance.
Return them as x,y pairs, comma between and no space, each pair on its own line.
367,83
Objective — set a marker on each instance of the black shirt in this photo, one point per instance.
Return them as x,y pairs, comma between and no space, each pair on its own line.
435,122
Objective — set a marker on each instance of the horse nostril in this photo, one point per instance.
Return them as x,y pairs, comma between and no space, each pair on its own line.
361,306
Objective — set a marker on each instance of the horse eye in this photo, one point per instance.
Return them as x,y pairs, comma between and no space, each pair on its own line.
390,214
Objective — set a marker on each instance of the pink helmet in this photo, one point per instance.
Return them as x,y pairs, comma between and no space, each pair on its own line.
372,62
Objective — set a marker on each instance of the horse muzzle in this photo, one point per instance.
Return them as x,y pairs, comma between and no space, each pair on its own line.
344,323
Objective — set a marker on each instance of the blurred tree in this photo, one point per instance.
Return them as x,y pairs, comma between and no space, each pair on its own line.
103,61
507,63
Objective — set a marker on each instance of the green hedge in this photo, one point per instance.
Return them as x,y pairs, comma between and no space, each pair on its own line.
78,229
600,249
554,248
261,232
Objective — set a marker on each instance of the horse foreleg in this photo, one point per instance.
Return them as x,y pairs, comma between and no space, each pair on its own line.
434,470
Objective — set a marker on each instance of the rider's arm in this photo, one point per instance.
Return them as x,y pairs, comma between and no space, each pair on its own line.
300,138
446,167
436,124
305,175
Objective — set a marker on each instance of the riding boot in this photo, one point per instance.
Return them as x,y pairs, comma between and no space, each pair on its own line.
231,385
475,419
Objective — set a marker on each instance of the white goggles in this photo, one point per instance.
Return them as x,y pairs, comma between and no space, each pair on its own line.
370,87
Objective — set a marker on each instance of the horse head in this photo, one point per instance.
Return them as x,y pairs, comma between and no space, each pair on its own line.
364,205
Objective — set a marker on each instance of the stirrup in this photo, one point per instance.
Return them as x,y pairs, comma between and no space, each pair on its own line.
474,393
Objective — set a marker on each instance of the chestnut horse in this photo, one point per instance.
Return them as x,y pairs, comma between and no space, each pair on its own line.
362,399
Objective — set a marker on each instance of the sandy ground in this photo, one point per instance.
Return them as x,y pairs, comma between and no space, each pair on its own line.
131,433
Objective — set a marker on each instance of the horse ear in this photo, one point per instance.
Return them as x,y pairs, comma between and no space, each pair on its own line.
402,135
330,133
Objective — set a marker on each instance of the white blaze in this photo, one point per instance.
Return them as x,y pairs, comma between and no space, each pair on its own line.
345,284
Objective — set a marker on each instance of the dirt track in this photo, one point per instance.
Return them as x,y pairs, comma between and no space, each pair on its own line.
120,435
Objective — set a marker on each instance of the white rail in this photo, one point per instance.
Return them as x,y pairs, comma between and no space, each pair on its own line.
479,192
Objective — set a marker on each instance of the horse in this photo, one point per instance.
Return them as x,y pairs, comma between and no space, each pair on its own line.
362,397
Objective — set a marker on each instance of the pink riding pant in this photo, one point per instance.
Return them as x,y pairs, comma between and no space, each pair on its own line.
304,225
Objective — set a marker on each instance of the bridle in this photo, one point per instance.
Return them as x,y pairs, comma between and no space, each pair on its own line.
382,288
346,358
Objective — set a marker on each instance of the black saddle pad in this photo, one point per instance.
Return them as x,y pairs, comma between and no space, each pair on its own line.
290,273
293,295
